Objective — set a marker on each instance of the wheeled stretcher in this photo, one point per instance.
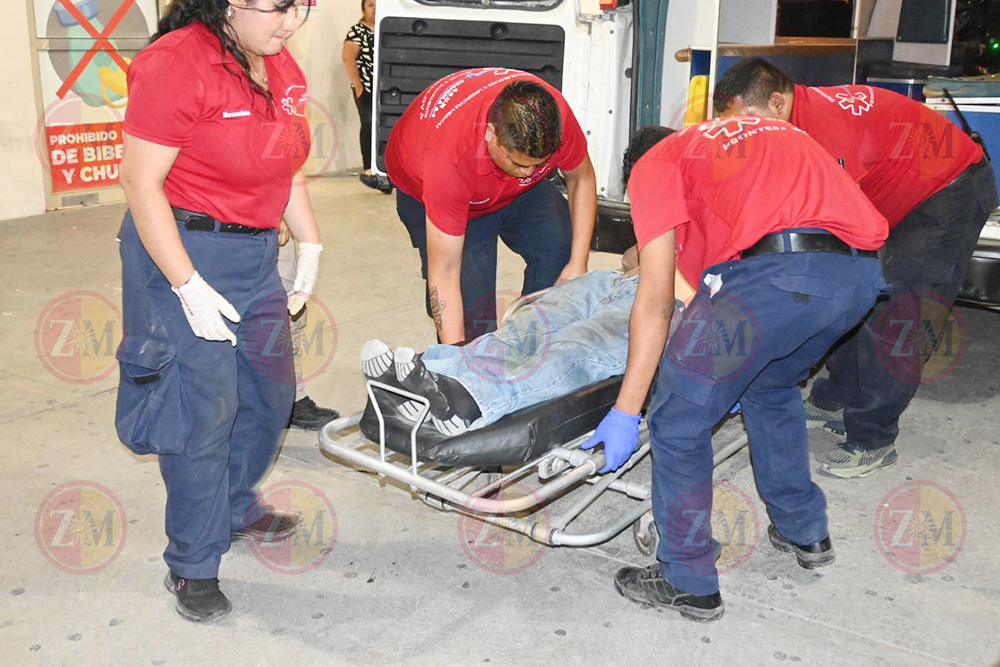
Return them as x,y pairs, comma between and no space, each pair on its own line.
508,473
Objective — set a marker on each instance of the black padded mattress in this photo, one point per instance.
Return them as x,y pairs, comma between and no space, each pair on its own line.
514,440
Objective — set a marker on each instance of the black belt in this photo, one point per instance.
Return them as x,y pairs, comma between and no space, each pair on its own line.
969,171
200,222
803,242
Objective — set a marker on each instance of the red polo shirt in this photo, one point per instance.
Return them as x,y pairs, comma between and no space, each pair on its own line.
899,151
724,184
437,150
237,156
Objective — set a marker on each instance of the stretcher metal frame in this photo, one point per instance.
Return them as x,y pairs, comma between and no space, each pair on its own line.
563,472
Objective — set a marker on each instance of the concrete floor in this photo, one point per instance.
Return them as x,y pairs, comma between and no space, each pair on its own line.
397,586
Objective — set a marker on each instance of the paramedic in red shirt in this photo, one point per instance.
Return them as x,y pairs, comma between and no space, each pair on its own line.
471,157
781,246
936,188
216,137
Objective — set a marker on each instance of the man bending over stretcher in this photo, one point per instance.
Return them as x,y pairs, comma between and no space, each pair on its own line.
574,335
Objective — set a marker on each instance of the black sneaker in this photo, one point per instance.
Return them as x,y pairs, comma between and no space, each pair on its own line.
309,416
198,600
810,556
270,526
646,587
448,397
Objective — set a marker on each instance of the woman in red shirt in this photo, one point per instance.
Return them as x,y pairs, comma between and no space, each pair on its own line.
216,137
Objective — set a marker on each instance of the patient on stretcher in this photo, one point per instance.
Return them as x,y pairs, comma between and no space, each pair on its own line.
572,336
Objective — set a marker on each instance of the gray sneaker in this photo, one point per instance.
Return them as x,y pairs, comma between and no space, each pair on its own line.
849,461
817,416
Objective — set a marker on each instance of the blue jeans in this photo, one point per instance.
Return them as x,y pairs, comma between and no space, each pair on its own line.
928,251
536,226
574,335
754,341
213,413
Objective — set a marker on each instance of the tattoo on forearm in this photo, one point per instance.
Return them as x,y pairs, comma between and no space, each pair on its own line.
437,308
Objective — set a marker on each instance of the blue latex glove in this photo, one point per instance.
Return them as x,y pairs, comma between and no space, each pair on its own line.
619,431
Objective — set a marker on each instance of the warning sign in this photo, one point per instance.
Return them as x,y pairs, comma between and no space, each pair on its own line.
84,156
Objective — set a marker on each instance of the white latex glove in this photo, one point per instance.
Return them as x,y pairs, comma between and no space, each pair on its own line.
204,309
306,272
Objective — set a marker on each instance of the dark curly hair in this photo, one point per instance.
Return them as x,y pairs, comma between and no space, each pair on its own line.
212,13
527,119
643,139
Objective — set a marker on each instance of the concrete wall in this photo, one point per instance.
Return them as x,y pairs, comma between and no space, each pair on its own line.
316,47
21,187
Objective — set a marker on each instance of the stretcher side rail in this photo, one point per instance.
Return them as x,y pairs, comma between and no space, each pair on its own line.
412,477
560,470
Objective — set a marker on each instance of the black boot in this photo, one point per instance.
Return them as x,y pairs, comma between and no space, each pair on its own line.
309,416
646,587
198,600
447,396
268,526
809,556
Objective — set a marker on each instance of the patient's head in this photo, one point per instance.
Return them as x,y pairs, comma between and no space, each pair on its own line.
644,139
630,260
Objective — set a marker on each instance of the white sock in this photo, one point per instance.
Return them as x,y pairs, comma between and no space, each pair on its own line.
454,426
404,362
376,359
411,410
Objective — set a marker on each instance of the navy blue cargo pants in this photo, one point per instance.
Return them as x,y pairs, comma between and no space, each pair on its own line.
772,318
213,413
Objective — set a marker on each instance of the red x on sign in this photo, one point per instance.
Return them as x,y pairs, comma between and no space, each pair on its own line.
101,42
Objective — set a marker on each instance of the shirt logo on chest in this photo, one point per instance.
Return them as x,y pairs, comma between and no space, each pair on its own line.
293,102
242,113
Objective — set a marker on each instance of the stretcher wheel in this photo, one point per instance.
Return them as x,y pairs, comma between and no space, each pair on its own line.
646,537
